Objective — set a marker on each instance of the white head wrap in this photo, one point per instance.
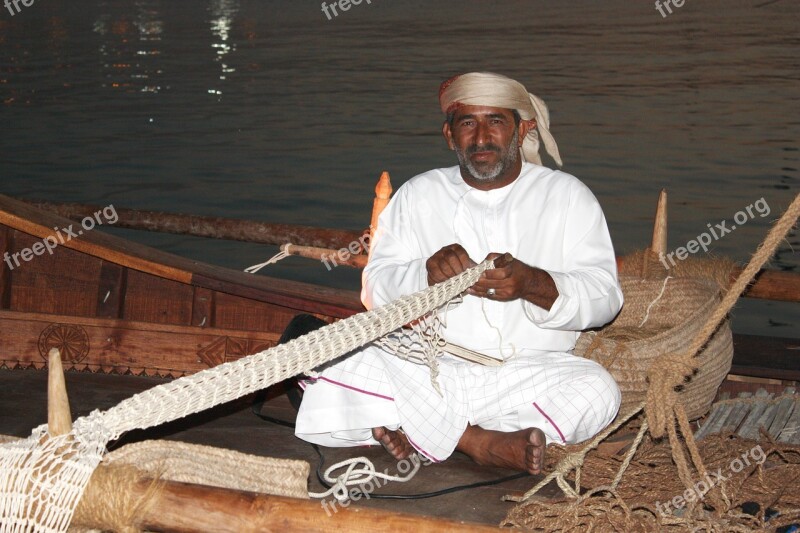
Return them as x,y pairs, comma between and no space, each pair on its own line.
494,90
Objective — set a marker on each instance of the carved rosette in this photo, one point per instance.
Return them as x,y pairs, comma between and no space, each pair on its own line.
225,349
72,341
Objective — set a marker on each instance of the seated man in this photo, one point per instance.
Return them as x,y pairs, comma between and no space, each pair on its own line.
527,311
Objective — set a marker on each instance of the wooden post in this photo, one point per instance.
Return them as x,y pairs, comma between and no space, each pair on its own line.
59,418
383,191
659,244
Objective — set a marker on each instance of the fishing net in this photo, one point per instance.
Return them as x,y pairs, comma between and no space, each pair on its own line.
42,477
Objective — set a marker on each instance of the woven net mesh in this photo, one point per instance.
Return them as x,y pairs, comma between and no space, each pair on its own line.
42,478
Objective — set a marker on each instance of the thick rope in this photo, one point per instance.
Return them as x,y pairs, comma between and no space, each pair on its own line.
574,460
668,372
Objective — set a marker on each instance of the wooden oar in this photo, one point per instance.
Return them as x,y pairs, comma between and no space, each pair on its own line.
211,227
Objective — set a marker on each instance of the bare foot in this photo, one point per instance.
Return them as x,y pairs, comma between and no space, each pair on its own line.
519,450
394,442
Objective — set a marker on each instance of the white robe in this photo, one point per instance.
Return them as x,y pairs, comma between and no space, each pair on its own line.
545,218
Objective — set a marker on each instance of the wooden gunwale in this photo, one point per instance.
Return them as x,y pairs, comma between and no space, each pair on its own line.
769,284
306,297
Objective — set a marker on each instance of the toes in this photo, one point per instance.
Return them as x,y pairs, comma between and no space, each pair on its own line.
534,453
536,437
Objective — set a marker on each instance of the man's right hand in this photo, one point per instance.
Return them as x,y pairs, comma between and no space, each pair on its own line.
447,262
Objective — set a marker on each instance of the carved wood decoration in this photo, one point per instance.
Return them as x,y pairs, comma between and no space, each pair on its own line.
71,340
225,349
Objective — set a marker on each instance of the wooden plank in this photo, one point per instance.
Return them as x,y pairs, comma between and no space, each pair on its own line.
791,430
111,290
203,308
149,298
785,408
718,411
64,282
766,357
234,312
27,219
120,346
749,428
737,414
766,418
5,270
712,427
300,297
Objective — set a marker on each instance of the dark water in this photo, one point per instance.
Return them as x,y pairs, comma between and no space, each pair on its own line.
268,110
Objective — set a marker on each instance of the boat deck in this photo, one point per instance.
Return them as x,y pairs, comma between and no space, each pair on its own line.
234,426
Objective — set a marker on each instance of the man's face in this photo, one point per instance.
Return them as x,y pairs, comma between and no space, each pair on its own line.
486,141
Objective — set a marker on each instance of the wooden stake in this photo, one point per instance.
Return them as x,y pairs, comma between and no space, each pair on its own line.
59,418
383,191
659,244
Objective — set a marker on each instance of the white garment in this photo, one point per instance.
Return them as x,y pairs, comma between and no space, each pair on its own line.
544,218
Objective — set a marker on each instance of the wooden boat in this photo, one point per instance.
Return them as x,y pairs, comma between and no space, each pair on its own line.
112,306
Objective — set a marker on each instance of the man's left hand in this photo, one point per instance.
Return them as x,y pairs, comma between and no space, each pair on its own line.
511,279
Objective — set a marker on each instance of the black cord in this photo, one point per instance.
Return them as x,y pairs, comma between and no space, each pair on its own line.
256,408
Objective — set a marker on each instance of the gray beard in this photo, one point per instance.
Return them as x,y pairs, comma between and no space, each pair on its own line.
490,173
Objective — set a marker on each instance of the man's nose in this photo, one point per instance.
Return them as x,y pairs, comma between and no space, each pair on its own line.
482,134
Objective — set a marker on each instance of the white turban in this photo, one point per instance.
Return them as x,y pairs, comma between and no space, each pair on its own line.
494,90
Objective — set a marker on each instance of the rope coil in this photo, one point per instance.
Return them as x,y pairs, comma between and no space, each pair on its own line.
355,476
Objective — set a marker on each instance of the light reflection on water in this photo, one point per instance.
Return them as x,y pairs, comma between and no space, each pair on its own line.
266,110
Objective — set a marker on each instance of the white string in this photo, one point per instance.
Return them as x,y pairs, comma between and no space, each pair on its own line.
663,287
283,254
357,476
499,334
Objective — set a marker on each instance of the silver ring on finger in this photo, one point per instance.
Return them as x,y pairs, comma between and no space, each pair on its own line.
491,292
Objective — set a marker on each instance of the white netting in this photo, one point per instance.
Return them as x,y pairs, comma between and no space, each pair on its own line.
42,478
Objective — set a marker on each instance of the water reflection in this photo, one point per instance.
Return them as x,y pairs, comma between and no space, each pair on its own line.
129,46
222,15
